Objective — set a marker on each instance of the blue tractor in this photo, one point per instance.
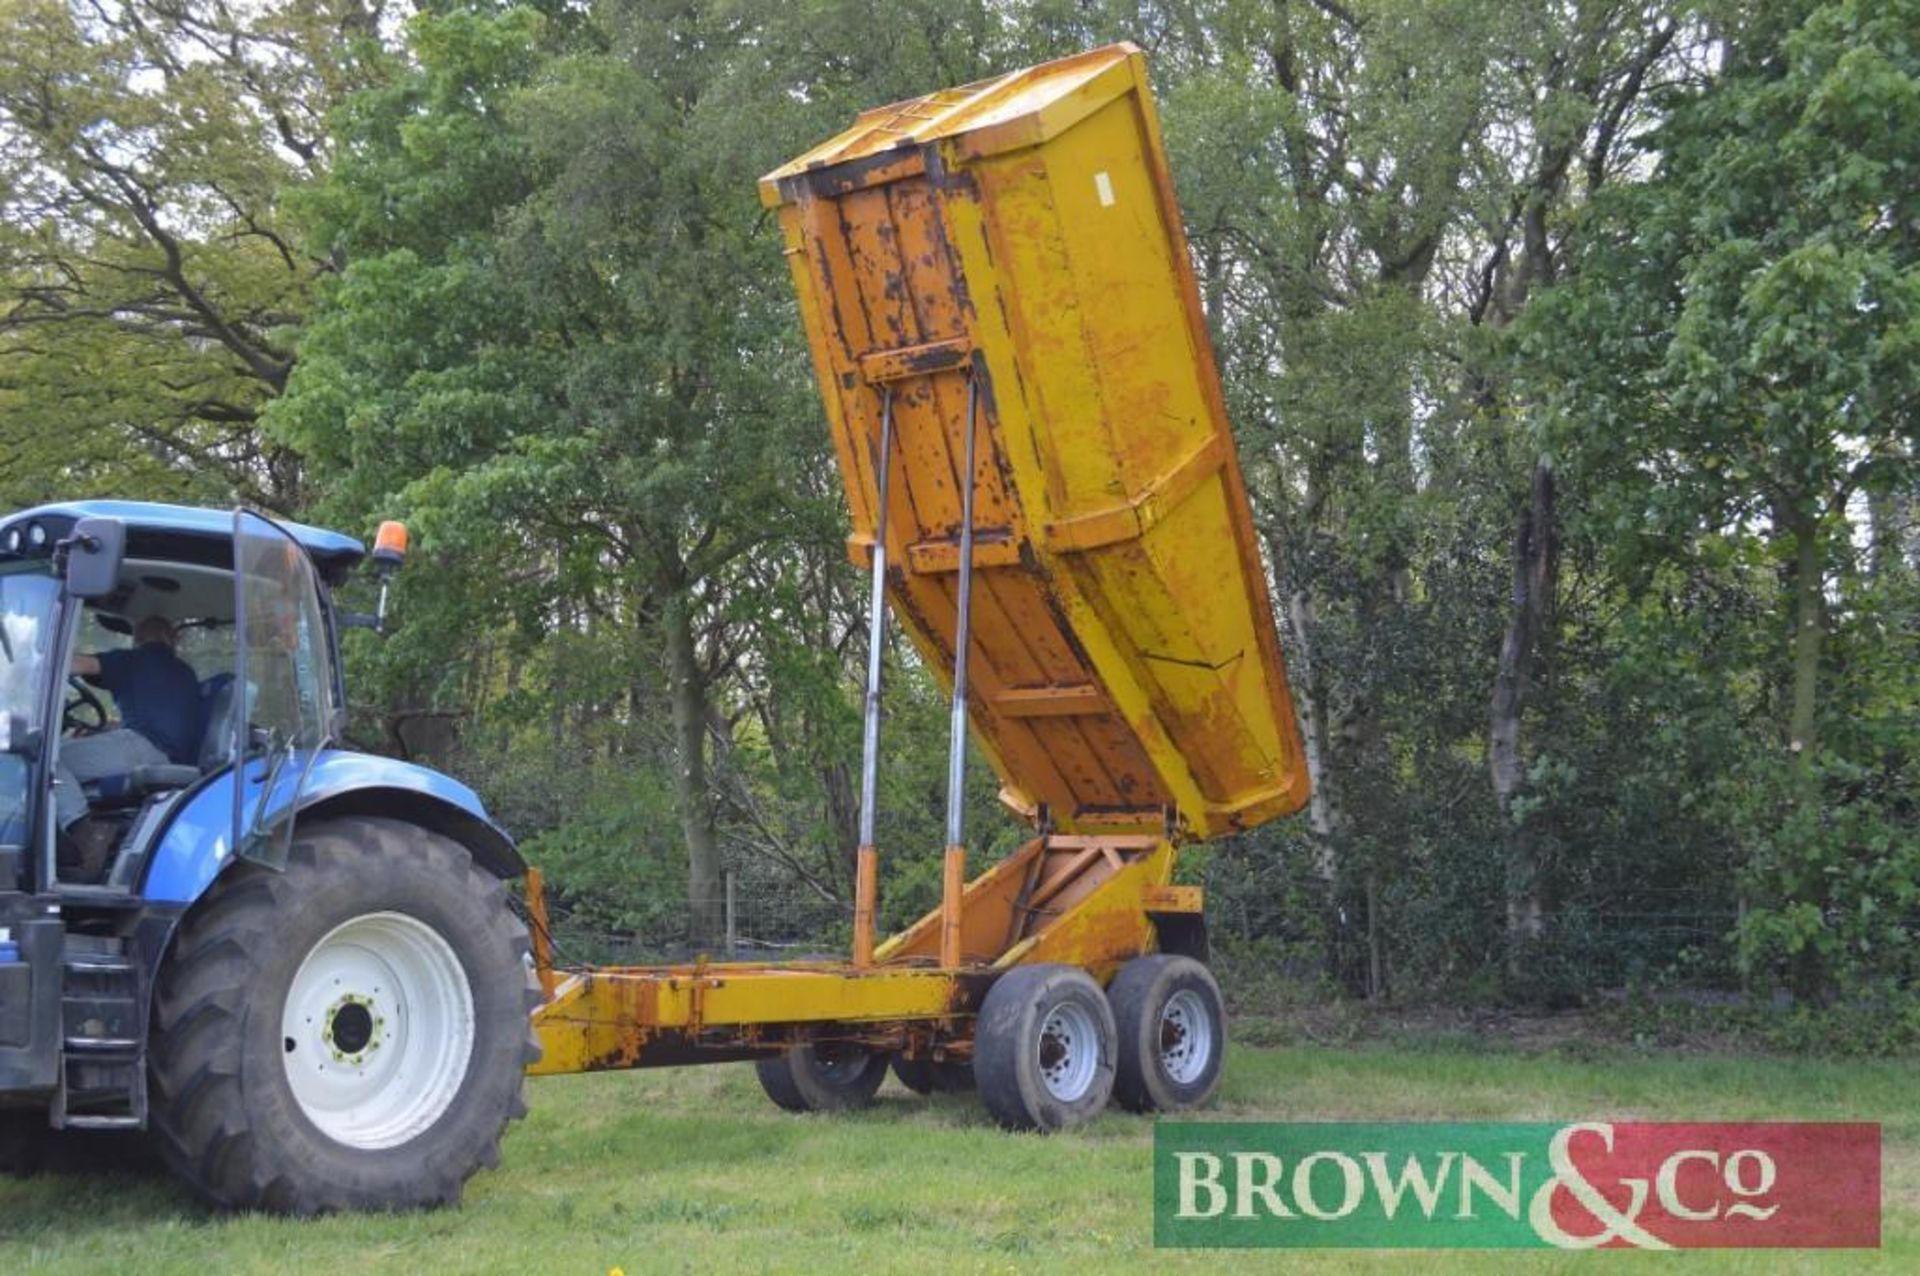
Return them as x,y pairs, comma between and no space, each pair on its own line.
295,965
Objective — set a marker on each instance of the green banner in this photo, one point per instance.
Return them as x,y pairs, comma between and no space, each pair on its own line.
1402,1186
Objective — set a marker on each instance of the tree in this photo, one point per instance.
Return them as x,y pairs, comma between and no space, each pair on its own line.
1738,352
1736,375
564,342
149,284
1375,192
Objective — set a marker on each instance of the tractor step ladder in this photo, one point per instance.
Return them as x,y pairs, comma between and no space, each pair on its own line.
103,1074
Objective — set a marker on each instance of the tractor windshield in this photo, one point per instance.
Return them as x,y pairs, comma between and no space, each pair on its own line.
283,674
27,597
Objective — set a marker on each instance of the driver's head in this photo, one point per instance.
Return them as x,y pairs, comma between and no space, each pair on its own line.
153,629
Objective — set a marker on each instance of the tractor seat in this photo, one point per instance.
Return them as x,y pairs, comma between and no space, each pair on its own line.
138,784
141,783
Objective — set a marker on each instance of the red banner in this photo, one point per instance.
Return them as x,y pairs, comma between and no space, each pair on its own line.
1719,1185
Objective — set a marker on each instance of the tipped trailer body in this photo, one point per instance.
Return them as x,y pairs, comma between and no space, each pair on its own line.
1027,417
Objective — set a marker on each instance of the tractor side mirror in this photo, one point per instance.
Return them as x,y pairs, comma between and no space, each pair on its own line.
94,553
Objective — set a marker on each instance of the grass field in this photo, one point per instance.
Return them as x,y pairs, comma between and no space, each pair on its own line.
695,1171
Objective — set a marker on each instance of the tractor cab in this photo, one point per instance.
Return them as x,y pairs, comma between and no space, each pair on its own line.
170,703
247,602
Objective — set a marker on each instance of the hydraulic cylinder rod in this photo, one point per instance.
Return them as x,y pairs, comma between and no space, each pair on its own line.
954,866
865,864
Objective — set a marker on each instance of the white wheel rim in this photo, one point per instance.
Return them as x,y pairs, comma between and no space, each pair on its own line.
1186,1037
377,1032
1069,1050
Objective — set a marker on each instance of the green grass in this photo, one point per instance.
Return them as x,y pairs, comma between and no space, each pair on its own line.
693,1170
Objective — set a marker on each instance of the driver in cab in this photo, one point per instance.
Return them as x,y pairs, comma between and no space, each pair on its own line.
158,696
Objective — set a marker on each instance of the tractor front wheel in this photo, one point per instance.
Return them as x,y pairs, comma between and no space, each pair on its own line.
349,1034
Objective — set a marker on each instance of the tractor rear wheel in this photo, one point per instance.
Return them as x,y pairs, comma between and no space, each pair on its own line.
1043,1048
933,1076
823,1077
1173,1033
348,1034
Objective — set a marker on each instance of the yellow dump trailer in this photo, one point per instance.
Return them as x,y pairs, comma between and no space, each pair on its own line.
1029,424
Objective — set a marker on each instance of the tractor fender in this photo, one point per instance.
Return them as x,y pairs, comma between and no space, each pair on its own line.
194,848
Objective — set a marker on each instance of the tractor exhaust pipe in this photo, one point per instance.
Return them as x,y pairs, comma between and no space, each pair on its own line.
866,858
954,866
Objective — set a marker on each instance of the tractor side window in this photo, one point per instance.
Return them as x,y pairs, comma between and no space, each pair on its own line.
288,670
27,599
284,673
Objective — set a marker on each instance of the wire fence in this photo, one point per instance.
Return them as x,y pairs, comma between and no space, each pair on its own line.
748,919
1308,929
1299,928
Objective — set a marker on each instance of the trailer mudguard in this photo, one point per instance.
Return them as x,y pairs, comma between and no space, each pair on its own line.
195,847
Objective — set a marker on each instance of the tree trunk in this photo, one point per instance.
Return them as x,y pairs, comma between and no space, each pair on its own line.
1895,536
1323,815
1809,632
687,690
1906,517
1535,568
1376,957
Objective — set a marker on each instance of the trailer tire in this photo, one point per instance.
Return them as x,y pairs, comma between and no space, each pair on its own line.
430,965
1173,1033
830,1077
1044,1047
933,1076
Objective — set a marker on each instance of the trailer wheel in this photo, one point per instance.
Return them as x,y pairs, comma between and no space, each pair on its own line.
933,1076
348,1034
1043,1051
1173,1033
827,1077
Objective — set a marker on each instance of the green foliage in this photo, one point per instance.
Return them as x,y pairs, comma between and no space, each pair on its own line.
1862,1028
150,285
1735,368
1570,349
564,346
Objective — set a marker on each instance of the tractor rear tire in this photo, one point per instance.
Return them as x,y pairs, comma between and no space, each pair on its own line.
1043,1048
349,1034
1173,1034
829,1077
933,1076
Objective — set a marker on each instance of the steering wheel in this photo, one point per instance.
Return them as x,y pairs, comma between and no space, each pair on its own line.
85,713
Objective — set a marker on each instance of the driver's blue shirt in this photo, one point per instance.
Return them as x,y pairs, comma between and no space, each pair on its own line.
158,695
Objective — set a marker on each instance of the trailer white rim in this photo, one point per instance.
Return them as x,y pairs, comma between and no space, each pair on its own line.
1186,1037
377,1033
1069,1050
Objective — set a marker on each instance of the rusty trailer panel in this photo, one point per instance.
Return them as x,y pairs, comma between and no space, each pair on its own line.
1020,236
